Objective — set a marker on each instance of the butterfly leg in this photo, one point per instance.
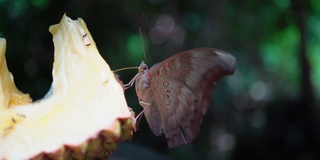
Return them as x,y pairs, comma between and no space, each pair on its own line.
139,116
145,106
130,84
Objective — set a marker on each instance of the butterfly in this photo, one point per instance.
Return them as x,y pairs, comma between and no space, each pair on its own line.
175,93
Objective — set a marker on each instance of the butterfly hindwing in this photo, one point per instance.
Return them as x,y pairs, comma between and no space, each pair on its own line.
153,118
180,118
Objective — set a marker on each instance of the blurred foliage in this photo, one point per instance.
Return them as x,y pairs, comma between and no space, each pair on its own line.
269,109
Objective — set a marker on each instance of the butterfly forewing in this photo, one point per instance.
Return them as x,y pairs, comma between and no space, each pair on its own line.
178,91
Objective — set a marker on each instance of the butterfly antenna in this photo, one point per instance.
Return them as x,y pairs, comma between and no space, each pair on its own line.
143,35
142,44
126,68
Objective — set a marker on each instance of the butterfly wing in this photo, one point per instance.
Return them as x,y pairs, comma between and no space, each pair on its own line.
181,87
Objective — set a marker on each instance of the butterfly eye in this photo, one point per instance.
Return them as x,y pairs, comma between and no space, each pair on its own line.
143,67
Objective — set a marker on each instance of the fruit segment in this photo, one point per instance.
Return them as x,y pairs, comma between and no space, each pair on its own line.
9,94
83,115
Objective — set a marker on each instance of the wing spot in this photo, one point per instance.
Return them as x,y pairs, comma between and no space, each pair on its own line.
167,100
167,68
165,84
177,64
168,91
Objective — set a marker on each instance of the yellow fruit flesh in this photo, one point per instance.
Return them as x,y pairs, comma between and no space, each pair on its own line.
9,94
86,103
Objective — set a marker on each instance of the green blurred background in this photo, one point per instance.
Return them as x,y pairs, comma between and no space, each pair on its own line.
269,109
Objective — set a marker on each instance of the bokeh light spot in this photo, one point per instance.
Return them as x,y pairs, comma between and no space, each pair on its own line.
164,27
236,81
134,45
39,3
270,56
166,22
259,119
178,35
157,35
17,8
260,91
280,56
191,20
282,4
314,61
315,5
222,140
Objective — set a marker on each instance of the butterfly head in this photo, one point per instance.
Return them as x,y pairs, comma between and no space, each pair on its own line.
143,67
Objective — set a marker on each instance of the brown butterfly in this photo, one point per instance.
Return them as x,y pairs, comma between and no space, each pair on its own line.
175,94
